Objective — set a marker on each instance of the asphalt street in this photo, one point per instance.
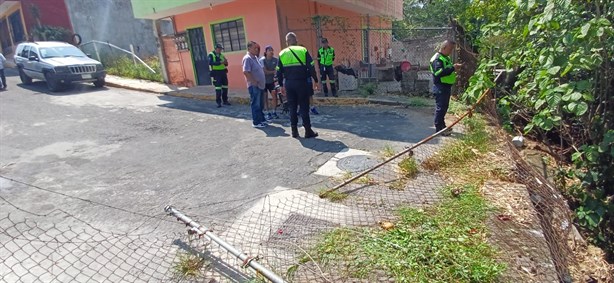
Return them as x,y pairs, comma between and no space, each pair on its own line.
109,155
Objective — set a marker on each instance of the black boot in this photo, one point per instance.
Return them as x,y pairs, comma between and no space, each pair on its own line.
295,132
309,133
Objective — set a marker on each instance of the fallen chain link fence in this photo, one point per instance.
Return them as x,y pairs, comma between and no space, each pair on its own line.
281,232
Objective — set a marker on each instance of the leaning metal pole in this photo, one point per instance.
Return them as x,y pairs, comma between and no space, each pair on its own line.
202,230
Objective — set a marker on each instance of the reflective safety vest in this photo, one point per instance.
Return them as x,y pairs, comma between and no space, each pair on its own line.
447,63
288,59
327,56
219,67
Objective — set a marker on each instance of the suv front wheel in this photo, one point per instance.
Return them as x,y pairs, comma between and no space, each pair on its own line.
52,84
24,78
99,83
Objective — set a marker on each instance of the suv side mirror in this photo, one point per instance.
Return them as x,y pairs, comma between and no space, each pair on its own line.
33,58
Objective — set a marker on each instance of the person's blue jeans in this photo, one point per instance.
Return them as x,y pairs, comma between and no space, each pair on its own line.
442,101
255,97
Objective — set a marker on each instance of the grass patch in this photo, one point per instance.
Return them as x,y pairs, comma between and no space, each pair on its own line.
388,151
334,196
125,67
418,101
441,244
366,180
455,155
398,185
457,108
189,266
409,167
367,89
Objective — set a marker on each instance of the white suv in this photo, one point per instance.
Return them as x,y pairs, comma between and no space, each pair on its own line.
57,63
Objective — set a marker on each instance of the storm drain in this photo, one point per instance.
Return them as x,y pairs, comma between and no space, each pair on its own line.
357,163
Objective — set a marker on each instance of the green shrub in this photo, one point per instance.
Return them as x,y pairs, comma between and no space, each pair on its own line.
51,33
592,197
368,89
558,55
409,167
125,67
444,243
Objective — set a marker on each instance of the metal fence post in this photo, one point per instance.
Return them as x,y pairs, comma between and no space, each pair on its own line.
202,230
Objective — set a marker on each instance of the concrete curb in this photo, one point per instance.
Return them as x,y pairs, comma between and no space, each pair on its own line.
107,83
319,101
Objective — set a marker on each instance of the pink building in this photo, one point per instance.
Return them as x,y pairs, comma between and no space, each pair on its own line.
359,30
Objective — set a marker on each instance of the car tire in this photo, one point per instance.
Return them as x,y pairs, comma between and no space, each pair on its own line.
99,83
24,78
52,84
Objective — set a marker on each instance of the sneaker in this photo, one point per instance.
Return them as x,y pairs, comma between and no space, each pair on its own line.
275,116
314,111
219,105
268,117
227,103
335,95
261,125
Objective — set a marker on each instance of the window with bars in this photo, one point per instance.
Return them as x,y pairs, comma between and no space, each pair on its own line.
230,34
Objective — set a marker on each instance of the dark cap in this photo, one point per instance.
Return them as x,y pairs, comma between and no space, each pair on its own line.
324,40
266,48
219,46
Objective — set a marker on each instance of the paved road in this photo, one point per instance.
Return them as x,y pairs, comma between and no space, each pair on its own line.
139,152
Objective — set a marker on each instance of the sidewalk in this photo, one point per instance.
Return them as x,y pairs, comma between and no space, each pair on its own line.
242,97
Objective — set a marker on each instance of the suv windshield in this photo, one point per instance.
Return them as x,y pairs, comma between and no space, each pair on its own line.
61,51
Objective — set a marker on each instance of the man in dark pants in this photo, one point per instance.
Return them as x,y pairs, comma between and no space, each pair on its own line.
293,69
218,64
444,78
2,76
326,57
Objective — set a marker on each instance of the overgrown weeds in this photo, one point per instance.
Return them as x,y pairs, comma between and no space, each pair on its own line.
388,151
125,67
189,265
444,243
418,101
367,89
334,196
409,167
476,141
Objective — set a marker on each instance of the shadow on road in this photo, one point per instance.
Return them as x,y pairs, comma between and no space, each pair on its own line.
390,123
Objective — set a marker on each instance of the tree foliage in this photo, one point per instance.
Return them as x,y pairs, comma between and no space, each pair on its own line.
51,33
563,54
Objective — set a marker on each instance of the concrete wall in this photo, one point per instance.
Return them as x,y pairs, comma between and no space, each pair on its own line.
112,21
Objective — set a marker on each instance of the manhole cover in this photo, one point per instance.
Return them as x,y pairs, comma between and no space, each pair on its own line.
356,163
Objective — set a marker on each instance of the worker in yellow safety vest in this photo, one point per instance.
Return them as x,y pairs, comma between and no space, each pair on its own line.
444,77
219,73
294,67
326,58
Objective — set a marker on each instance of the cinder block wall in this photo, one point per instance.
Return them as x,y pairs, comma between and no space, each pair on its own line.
112,21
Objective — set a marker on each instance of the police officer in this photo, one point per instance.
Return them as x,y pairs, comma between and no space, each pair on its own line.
326,57
444,77
218,64
293,69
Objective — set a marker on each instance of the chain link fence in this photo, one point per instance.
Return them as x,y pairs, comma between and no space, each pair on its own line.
375,59
283,230
531,226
